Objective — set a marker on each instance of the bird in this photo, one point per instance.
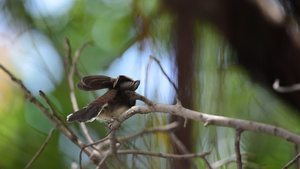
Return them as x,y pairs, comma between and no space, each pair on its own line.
109,105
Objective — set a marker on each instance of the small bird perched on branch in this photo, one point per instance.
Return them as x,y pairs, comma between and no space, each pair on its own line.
111,104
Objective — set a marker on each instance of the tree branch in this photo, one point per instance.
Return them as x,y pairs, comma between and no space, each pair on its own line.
161,155
208,119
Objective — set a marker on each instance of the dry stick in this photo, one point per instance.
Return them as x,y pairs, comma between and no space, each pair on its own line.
237,148
292,161
174,156
163,71
67,57
40,150
51,117
56,115
71,83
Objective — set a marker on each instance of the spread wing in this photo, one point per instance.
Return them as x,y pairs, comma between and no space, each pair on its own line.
96,82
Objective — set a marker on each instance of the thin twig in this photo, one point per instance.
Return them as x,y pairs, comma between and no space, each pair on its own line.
238,149
56,115
163,71
292,161
67,57
78,52
41,149
161,155
71,85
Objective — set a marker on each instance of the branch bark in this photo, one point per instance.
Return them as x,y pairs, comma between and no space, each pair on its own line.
207,119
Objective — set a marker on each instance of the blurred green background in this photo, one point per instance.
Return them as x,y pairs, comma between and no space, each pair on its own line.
125,34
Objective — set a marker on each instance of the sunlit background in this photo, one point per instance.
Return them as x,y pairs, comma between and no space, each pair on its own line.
125,34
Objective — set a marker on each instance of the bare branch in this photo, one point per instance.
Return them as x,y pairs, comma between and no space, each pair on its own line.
40,150
237,149
71,83
56,115
174,156
78,52
292,161
163,71
207,119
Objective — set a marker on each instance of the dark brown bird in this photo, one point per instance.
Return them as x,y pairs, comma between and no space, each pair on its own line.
111,104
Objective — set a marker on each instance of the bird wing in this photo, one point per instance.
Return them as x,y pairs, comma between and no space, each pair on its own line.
96,82
123,83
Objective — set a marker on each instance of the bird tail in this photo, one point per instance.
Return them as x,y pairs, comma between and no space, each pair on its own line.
87,114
